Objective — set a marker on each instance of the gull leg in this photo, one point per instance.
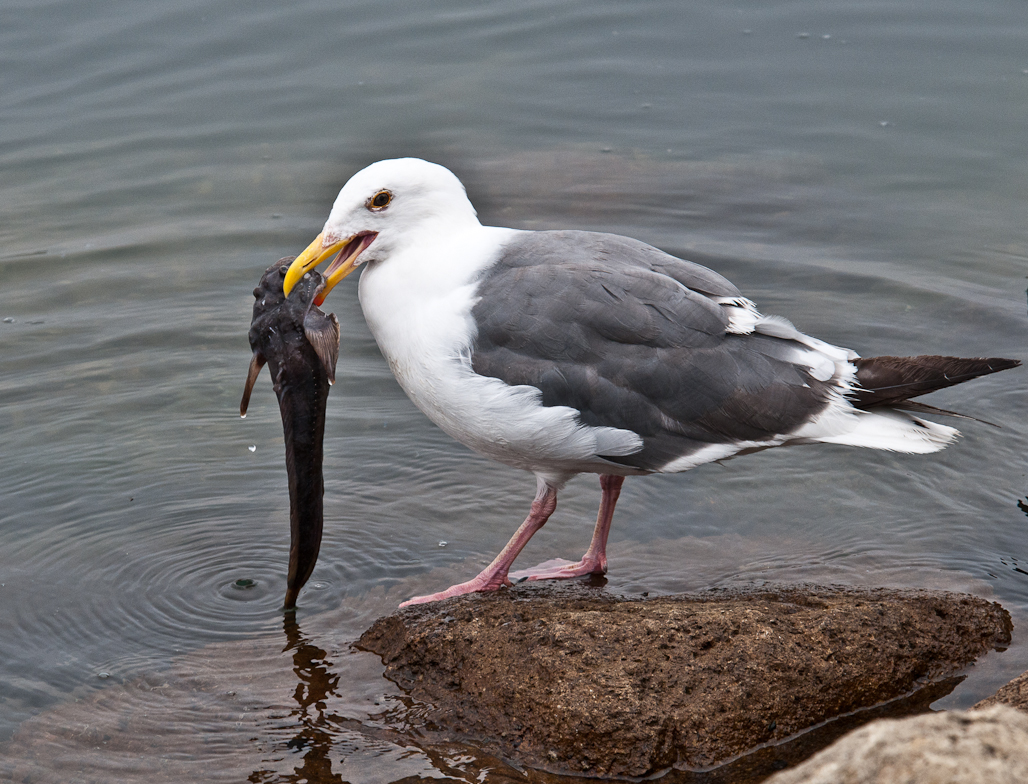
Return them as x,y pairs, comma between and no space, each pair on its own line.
495,574
595,559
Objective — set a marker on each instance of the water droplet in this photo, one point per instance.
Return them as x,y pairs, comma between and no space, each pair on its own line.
243,583
252,447
103,675
803,35
442,544
318,586
825,37
885,123
747,32
8,320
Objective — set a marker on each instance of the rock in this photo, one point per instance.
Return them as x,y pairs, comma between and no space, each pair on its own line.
1014,694
987,746
572,680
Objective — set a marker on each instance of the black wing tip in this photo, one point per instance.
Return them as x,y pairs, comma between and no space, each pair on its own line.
983,366
988,365
995,363
889,380
999,363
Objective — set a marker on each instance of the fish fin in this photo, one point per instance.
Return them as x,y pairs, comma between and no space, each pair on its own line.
256,363
322,332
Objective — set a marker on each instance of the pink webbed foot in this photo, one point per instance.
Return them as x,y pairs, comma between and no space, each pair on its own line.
560,569
475,585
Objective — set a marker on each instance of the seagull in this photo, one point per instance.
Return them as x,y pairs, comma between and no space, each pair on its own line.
569,352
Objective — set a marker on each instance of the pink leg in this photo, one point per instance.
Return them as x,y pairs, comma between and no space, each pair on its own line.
495,574
595,559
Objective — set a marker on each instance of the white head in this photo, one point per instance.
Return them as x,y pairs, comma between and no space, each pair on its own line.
382,209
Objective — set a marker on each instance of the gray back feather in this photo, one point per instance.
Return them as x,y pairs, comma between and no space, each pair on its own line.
631,337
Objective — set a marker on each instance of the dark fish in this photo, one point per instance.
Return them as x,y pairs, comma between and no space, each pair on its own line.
300,344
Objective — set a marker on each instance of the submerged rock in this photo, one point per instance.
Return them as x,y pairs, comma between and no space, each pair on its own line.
1014,694
572,680
975,747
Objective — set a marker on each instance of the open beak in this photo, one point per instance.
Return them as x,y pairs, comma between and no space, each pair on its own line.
346,254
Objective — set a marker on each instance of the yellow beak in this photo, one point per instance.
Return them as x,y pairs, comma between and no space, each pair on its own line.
312,256
346,252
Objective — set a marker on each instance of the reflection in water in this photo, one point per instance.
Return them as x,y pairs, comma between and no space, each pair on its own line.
1022,505
386,751
314,736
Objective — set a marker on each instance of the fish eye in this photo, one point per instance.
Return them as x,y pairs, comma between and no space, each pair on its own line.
380,200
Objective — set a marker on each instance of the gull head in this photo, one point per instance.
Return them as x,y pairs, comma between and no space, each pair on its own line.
385,208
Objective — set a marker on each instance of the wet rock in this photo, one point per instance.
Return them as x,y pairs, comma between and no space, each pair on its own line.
1014,694
975,747
567,679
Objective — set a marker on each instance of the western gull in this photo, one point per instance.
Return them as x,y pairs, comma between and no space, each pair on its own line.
567,352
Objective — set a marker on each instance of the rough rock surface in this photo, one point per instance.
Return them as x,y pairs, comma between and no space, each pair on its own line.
987,746
1014,694
567,679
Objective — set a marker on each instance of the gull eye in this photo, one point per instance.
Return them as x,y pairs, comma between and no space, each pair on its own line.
380,200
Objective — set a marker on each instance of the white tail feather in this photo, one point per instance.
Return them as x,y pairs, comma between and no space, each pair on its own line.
894,430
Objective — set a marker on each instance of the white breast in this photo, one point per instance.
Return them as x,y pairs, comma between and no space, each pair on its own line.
419,310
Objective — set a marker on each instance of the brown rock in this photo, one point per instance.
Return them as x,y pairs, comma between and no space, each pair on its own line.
1014,694
975,747
567,679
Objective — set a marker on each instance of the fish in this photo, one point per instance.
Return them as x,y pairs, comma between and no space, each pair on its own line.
300,345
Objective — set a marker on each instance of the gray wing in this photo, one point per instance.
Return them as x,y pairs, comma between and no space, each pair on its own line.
632,338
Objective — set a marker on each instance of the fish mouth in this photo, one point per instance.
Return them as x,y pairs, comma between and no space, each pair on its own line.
346,252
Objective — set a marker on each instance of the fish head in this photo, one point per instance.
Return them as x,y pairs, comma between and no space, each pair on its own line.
279,320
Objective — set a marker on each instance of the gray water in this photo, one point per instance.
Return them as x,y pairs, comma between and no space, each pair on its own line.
858,168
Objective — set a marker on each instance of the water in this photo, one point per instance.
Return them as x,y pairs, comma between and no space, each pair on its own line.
858,169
